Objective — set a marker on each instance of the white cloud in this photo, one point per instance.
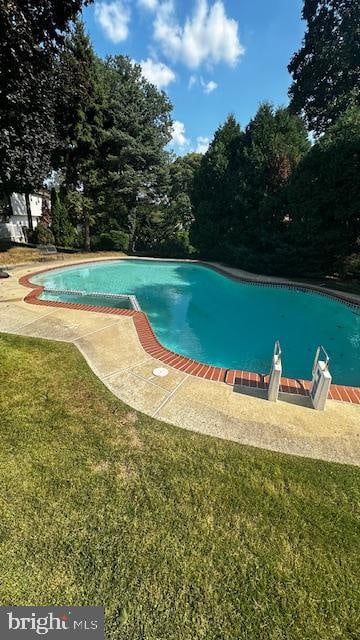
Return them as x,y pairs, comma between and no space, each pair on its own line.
151,5
192,81
208,87
207,36
114,18
157,72
183,144
202,144
178,134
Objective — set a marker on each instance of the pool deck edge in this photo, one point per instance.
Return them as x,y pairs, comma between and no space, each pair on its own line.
350,299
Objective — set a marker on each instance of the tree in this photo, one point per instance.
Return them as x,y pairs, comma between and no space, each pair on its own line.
324,196
216,190
80,116
45,217
178,212
165,228
326,70
61,227
239,190
31,36
274,143
133,164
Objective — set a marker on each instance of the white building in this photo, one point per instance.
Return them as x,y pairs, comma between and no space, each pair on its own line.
14,229
18,204
12,232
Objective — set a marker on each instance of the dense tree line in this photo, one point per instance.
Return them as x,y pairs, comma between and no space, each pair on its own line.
264,199
261,198
267,201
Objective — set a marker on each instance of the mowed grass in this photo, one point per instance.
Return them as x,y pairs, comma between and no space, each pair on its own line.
178,535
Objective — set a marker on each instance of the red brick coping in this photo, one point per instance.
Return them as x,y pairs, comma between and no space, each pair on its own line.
153,347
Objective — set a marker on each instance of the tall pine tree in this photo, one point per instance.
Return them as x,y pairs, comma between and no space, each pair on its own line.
80,118
274,143
215,192
133,164
324,196
239,190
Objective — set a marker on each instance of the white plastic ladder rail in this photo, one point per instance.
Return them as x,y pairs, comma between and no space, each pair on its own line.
321,379
275,373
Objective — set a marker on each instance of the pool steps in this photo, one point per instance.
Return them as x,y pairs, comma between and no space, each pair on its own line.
97,294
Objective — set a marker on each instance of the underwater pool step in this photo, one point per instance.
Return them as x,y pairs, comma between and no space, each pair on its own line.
92,298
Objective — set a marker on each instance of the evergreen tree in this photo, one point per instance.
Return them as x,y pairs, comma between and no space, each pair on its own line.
239,190
61,227
324,196
168,225
133,162
80,116
216,190
326,70
179,213
274,143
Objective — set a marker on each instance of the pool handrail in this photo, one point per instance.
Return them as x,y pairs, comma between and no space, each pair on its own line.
277,351
320,350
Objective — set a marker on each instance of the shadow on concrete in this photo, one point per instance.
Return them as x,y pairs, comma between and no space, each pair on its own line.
289,398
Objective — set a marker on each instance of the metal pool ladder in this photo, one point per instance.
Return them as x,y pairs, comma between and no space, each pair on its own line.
321,379
275,373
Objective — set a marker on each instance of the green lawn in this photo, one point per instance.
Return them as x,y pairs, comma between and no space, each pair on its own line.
195,538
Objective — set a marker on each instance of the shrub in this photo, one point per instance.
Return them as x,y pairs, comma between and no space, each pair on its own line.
176,247
43,235
350,267
113,240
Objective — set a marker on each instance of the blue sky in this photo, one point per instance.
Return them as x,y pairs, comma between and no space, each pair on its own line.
212,57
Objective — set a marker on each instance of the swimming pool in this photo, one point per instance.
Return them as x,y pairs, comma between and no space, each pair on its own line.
204,315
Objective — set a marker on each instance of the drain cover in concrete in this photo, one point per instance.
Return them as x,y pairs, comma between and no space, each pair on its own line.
160,372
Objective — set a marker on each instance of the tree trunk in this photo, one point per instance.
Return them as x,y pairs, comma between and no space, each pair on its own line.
87,242
28,211
132,231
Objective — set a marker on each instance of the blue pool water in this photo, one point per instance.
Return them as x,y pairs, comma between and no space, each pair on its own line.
211,318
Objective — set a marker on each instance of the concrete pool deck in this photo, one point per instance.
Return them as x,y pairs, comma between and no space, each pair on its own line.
110,344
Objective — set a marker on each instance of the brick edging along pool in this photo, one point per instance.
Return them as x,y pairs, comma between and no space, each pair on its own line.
154,348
